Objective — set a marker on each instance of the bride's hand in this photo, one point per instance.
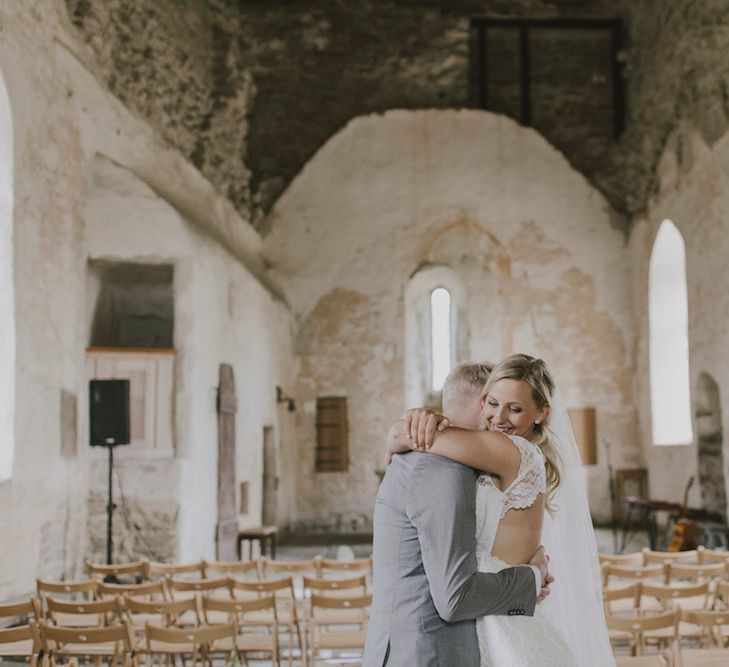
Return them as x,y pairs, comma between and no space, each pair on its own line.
422,424
541,560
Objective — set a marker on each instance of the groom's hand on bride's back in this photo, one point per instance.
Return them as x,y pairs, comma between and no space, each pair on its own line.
540,560
422,424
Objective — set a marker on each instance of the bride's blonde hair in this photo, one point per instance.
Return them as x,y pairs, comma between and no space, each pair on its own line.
536,374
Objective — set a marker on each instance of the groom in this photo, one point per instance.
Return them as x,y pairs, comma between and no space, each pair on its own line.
427,590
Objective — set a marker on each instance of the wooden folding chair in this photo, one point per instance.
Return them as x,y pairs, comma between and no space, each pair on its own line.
714,638
162,613
287,610
21,642
91,613
149,590
192,571
624,600
251,635
113,643
638,627
207,586
194,643
134,572
246,570
296,569
336,637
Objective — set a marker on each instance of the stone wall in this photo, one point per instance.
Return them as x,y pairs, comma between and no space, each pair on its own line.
537,248
250,91
92,182
691,191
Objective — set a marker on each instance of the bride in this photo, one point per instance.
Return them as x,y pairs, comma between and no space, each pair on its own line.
531,464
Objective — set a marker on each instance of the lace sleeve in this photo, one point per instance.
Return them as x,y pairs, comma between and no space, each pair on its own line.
531,480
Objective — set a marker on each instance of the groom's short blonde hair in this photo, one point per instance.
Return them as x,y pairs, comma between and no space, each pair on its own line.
463,381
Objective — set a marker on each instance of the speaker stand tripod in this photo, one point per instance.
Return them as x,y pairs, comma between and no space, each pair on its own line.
110,507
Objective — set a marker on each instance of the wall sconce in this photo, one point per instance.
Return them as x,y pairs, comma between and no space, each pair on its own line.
584,424
281,397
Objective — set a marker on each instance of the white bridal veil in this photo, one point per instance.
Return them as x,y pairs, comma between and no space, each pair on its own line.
574,604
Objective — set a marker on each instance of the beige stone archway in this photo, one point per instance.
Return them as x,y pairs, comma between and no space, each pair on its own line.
537,248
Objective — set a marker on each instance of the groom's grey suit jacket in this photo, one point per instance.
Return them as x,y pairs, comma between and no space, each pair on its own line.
426,589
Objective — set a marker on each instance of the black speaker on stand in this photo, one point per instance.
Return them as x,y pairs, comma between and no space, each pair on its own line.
109,426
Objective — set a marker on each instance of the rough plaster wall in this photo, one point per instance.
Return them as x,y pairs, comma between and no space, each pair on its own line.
260,86
178,65
222,315
676,72
536,246
693,189
42,505
62,119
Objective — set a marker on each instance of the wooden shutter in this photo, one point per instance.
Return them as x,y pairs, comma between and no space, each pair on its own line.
332,434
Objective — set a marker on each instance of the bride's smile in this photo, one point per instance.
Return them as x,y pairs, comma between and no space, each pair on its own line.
509,408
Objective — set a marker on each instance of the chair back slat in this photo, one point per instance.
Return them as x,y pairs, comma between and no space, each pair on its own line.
156,570
262,587
234,569
696,572
21,633
652,557
196,585
200,635
93,635
328,602
151,589
335,585
136,569
712,555
86,588
639,624
166,612
27,608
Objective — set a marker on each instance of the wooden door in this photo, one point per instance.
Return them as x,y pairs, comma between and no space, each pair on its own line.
227,530
270,478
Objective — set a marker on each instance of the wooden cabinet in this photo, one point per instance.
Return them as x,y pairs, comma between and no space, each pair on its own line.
151,393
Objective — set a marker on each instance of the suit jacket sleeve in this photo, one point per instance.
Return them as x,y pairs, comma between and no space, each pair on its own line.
442,508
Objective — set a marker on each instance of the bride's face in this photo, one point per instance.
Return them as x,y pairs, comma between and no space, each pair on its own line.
510,408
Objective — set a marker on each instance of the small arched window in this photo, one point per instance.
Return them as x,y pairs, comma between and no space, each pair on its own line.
7,308
435,332
669,342
441,348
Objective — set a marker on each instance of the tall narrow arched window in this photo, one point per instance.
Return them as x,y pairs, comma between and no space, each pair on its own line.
441,348
669,344
436,332
7,309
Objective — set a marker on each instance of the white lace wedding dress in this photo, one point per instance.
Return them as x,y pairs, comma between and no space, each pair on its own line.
516,641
